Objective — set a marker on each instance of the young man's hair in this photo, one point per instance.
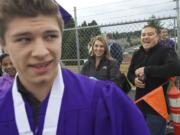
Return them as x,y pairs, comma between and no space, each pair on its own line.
153,26
4,55
10,9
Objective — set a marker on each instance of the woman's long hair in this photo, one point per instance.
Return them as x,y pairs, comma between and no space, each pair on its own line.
103,40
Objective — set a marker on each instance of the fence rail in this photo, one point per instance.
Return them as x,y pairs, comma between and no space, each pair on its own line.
127,34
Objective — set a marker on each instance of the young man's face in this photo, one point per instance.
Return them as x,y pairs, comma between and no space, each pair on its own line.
34,45
149,38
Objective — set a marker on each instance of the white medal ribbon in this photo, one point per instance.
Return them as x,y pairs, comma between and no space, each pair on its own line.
52,111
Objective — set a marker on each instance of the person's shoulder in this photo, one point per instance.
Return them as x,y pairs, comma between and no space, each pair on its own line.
4,94
5,81
89,93
166,51
76,80
5,77
108,92
83,86
138,51
89,61
108,102
116,45
1,78
170,40
80,88
112,61
5,87
5,104
164,48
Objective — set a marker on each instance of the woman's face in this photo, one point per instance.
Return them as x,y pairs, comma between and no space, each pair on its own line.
98,48
8,66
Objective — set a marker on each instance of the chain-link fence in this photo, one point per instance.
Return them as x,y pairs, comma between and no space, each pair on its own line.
127,34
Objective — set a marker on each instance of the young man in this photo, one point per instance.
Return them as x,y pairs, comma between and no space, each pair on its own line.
151,66
46,100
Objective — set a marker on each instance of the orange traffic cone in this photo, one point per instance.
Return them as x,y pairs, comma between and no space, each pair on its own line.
174,100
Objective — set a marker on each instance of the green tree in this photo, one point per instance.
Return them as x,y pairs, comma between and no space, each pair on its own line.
85,34
155,22
69,42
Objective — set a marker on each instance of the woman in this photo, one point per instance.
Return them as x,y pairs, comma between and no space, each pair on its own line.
9,72
100,64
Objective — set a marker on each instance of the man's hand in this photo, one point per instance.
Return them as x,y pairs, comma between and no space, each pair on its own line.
139,83
139,71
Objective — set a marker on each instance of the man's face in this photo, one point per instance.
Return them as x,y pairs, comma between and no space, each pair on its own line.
34,45
164,34
149,38
8,66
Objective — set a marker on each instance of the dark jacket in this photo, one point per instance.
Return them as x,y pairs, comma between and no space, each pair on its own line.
160,63
116,52
107,69
1,73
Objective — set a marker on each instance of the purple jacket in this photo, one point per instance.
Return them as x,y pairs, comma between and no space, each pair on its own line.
167,42
5,83
89,107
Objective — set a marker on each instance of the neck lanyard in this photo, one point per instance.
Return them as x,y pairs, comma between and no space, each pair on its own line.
52,111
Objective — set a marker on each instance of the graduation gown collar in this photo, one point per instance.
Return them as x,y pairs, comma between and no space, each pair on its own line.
52,110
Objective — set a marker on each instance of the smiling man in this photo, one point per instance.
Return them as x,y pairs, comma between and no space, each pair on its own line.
151,66
48,100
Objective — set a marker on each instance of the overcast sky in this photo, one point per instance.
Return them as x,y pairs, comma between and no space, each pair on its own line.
69,4
108,11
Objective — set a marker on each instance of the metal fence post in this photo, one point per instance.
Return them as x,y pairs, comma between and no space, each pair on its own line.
178,37
178,27
121,29
77,39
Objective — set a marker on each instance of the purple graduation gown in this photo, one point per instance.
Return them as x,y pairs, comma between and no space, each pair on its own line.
6,82
89,107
